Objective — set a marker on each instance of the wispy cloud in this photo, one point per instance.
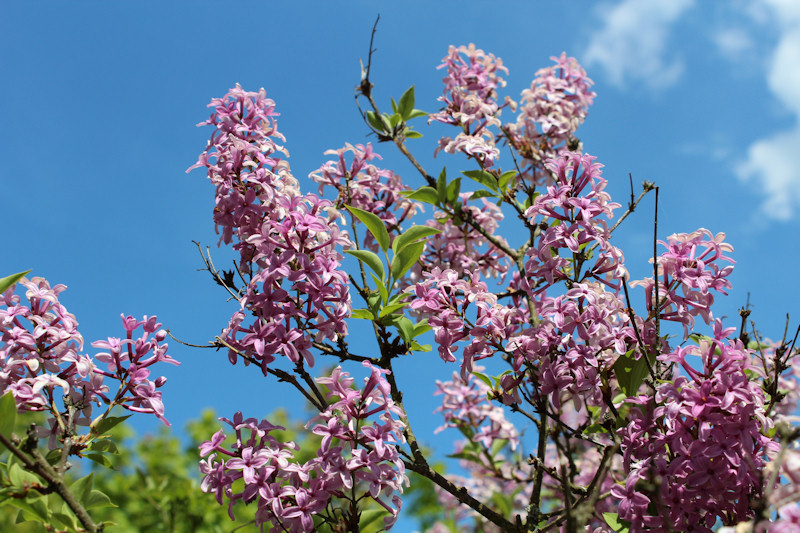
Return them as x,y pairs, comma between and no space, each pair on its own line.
774,162
631,45
733,42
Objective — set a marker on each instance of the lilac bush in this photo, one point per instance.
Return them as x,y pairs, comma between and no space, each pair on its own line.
641,417
637,427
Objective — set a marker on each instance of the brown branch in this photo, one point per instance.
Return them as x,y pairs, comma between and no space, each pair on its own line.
34,461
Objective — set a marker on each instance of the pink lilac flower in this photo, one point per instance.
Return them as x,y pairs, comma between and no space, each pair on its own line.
243,163
550,112
444,298
465,406
288,243
359,453
40,359
581,226
700,444
687,271
363,185
470,98
464,249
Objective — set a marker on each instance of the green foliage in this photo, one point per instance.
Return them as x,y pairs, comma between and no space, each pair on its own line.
8,281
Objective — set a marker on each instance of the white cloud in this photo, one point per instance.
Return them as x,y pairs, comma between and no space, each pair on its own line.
632,43
733,42
774,162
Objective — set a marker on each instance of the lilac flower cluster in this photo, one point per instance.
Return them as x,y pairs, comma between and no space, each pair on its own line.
551,110
470,98
465,406
243,164
580,225
687,271
288,243
694,454
357,455
444,298
464,249
579,337
365,186
40,353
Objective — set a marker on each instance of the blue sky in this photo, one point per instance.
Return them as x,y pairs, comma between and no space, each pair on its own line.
99,102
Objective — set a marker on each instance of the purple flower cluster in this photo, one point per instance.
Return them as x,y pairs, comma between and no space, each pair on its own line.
694,454
243,164
551,110
465,406
580,225
444,298
579,336
299,293
289,243
358,455
470,98
40,353
365,186
687,271
464,249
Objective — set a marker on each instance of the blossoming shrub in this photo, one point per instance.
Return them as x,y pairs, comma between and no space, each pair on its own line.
638,426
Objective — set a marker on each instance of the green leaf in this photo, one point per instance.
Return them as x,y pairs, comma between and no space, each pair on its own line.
484,378
417,347
109,422
66,520
364,314
483,177
406,328
375,121
630,372
412,235
100,459
8,413
504,179
374,224
370,516
417,113
411,134
370,259
421,327
441,185
425,194
83,487
33,507
406,258
19,477
394,105
8,281
482,193
616,523
497,445
406,104
391,308
105,446
97,499
381,288
452,191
